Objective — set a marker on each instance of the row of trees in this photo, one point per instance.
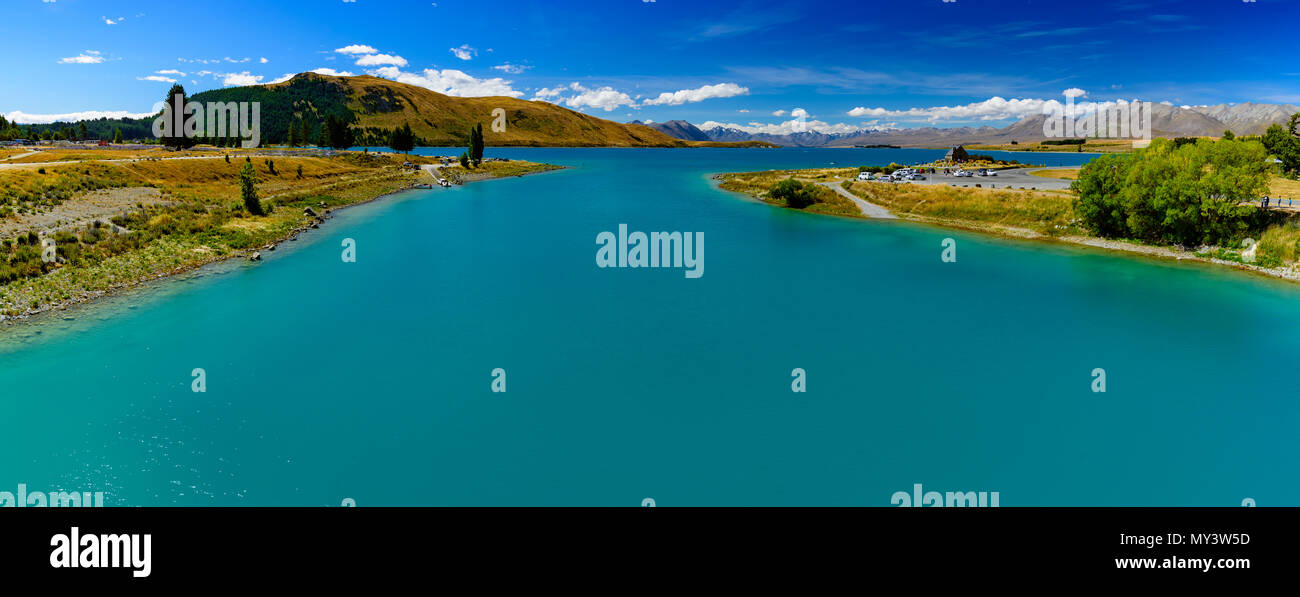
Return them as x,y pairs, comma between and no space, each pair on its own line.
1188,194
402,139
335,132
61,132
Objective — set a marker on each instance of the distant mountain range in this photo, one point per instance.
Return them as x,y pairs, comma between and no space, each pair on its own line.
1166,121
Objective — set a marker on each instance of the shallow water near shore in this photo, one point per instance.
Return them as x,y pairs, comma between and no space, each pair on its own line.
372,380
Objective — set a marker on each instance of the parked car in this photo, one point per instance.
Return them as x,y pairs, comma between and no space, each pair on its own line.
915,176
963,173
992,172
865,176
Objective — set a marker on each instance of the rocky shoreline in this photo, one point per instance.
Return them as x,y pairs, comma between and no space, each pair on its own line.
252,253
1289,273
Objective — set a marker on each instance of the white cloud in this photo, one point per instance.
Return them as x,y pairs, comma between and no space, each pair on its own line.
356,49
108,21
800,113
170,71
992,109
282,78
25,118
449,82
464,52
787,127
157,78
780,113
380,60
329,72
513,69
240,79
87,57
697,95
548,93
605,98
263,60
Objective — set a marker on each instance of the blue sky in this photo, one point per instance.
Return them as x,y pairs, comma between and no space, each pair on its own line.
751,63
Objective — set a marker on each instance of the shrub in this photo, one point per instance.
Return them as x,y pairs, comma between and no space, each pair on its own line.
794,193
248,189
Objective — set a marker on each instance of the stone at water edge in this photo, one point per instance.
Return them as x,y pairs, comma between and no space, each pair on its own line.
1249,254
255,257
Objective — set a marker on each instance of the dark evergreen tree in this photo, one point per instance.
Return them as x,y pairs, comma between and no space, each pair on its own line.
175,139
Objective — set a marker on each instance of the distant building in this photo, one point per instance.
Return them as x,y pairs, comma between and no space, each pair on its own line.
956,154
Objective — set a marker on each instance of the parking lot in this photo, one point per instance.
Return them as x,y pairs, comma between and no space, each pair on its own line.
1012,178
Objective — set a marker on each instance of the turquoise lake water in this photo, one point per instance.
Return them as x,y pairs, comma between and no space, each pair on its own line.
372,380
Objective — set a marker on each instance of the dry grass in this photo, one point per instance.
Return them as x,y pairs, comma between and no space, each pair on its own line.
1061,173
1284,187
195,216
1281,242
1047,212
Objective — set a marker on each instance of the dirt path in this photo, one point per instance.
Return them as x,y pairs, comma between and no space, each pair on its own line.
19,156
870,210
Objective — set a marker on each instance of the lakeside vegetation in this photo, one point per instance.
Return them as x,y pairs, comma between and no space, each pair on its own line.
1185,198
1187,195
780,187
116,224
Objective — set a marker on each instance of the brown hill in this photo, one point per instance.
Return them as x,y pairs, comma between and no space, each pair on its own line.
439,119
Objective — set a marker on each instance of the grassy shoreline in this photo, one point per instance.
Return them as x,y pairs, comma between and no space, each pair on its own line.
215,232
1045,216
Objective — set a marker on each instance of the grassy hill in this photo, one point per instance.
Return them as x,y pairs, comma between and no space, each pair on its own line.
374,105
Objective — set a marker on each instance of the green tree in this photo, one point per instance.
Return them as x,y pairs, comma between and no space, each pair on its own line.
478,153
337,133
1282,143
1188,193
175,139
1228,135
293,134
82,133
248,189
794,193
476,144
464,159
117,135
1097,200
402,139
